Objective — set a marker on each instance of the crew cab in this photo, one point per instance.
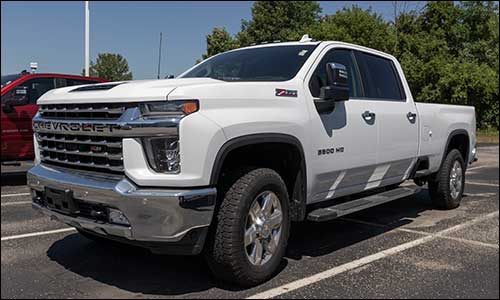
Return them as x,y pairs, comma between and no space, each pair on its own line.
19,94
221,159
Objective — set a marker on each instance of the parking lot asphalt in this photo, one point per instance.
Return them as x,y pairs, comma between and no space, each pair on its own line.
403,249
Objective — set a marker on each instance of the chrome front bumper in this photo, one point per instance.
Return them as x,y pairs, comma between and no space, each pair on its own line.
154,215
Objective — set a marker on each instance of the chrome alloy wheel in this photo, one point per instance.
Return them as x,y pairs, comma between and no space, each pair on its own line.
456,180
263,228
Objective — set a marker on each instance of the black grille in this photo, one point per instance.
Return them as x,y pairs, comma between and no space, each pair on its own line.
93,111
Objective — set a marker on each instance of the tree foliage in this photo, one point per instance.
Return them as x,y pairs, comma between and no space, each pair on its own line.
219,41
110,66
449,50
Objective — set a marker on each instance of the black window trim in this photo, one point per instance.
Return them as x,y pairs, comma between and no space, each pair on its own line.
401,89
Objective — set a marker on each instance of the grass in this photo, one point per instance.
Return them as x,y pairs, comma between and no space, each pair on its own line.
487,136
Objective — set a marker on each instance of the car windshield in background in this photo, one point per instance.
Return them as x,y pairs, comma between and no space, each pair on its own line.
273,63
9,78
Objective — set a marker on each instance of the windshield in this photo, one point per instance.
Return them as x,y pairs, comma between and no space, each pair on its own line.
9,78
276,63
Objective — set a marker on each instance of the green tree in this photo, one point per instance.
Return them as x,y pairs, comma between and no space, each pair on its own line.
110,66
357,26
278,20
449,53
219,41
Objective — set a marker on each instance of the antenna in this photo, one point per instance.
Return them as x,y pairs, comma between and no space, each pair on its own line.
159,58
305,38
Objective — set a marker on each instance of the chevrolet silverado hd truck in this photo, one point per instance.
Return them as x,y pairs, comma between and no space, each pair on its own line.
223,158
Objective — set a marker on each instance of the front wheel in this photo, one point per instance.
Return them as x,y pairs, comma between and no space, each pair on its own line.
447,186
251,230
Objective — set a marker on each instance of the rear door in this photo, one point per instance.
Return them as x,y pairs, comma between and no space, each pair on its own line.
396,119
344,143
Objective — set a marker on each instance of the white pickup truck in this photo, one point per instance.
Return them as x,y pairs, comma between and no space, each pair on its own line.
223,158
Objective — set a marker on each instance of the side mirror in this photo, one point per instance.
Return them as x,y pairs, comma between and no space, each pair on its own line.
337,88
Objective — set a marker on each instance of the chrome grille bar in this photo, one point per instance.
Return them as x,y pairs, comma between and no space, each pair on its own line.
82,164
77,152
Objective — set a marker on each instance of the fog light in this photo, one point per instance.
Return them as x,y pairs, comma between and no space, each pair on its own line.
117,217
163,154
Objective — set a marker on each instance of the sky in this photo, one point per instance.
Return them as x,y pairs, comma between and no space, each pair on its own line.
52,33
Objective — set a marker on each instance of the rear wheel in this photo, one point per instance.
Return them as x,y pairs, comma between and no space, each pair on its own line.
447,186
251,230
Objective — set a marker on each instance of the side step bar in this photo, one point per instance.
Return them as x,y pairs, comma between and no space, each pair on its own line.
339,210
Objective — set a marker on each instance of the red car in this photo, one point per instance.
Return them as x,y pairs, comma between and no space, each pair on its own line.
19,95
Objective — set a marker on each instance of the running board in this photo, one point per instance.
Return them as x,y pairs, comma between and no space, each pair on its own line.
339,210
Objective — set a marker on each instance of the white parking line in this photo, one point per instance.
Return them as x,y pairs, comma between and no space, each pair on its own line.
475,168
15,195
16,203
363,261
21,236
481,183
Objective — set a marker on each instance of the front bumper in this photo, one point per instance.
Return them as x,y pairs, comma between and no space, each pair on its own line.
155,215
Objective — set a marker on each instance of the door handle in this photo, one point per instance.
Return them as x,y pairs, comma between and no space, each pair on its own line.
411,116
368,116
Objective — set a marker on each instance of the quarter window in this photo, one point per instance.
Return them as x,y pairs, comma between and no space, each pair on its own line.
380,79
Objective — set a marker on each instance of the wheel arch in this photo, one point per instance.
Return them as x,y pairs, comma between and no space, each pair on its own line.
297,197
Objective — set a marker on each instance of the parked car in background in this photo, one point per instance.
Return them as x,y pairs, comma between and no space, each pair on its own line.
19,95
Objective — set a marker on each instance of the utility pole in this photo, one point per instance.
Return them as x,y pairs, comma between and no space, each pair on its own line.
159,57
87,39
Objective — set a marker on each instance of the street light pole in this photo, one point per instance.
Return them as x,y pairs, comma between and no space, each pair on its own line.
87,33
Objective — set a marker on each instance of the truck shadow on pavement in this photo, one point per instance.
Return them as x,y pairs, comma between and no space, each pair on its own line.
139,271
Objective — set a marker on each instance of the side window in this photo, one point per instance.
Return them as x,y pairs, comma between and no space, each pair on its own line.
344,57
61,82
37,87
71,82
380,79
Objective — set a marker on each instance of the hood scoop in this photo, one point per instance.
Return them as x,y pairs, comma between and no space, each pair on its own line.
98,87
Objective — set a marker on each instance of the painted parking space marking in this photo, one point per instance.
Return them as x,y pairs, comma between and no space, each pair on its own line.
15,195
15,203
364,261
33,234
481,183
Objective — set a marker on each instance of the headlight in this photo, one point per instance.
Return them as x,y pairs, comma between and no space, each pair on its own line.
165,108
163,154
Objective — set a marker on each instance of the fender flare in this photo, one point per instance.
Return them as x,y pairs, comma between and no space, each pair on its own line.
252,139
448,141
297,206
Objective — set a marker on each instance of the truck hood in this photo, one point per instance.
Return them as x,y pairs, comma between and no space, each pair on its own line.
125,91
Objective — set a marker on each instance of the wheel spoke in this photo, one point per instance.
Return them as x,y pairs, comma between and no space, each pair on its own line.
267,204
256,255
250,236
275,220
255,211
271,246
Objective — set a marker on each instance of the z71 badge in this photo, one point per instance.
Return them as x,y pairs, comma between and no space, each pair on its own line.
286,93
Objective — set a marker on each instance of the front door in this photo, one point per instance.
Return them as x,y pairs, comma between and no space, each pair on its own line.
345,140
17,133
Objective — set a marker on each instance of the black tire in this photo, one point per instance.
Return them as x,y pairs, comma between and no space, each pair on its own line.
439,184
225,252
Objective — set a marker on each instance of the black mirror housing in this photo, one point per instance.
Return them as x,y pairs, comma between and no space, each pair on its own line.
337,88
